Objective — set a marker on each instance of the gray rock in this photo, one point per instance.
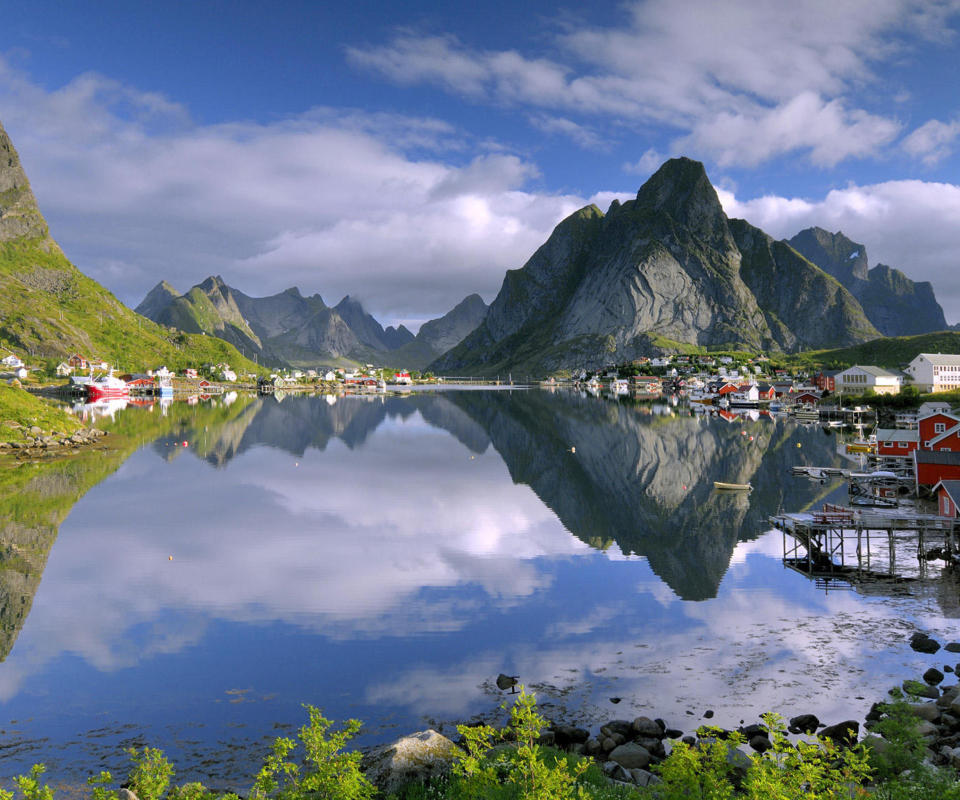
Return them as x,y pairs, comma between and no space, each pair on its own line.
569,734
842,733
631,756
593,747
619,738
760,743
126,794
928,711
621,726
419,757
924,644
643,778
952,647
933,676
36,431
919,690
950,694
646,727
608,744
927,729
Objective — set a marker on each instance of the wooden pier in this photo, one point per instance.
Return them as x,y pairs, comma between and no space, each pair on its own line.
859,546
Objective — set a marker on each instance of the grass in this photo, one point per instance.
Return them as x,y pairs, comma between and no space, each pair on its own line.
50,310
17,405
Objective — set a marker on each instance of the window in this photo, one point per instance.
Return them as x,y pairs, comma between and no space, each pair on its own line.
904,445
926,444
888,444
939,427
944,449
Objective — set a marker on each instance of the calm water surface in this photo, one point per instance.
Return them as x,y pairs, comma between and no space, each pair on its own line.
386,557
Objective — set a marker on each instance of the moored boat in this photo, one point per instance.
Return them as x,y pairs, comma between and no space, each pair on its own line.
105,387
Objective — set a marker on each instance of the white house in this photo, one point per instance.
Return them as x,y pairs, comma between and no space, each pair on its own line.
64,369
11,361
229,374
329,375
856,380
935,372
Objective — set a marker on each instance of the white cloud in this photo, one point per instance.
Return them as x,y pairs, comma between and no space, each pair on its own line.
741,82
911,225
334,201
582,135
646,165
932,141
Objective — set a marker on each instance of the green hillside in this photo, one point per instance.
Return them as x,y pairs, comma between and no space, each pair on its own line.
50,310
889,353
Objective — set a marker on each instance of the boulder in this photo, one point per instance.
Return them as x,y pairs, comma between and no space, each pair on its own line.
952,647
928,711
643,778
925,644
805,723
126,794
760,743
593,747
568,734
672,733
843,733
419,757
927,729
918,689
608,744
631,756
933,676
647,728
621,726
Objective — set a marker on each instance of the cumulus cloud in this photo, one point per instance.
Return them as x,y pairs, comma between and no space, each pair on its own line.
932,141
741,82
911,225
334,201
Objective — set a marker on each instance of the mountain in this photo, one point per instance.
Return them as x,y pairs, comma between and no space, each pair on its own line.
290,329
437,336
896,305
49,309
665,271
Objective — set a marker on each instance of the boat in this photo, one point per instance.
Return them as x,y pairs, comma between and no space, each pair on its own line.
732,487
105,387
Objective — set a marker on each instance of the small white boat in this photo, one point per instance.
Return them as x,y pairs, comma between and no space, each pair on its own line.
732,487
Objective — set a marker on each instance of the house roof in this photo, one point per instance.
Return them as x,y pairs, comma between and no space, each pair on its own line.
897,435
952,488
877,372
937,457
941,359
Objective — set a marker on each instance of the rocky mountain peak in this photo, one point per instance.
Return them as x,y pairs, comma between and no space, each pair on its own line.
157,301
682,190
19,213
834,253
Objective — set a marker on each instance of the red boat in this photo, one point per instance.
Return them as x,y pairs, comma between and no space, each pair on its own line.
105,387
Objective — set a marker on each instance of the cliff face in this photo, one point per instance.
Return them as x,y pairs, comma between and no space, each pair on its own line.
894,304
20,215
666,269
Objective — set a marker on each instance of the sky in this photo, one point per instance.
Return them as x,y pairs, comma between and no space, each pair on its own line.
409,153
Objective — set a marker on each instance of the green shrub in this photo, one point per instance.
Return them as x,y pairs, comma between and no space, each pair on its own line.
326,772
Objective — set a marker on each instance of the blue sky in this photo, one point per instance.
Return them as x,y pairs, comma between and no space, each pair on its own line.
410,153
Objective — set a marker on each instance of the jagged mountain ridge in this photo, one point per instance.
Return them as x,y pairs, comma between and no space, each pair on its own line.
651,275
290,329
896,305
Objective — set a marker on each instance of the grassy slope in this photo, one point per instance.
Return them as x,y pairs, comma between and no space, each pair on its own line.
19,406
50,310
889,353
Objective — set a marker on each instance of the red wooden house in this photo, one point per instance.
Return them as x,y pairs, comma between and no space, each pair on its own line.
77,361
933,467
806,398
933,427
824,380
948,493
892,442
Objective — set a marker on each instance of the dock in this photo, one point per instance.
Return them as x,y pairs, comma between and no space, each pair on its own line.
838,544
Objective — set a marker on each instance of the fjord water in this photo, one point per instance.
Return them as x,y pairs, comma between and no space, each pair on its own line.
385,557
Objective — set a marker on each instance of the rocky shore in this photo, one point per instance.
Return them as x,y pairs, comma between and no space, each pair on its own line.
35,442
629,750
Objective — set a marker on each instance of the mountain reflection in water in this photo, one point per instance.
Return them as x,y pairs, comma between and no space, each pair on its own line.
394,553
